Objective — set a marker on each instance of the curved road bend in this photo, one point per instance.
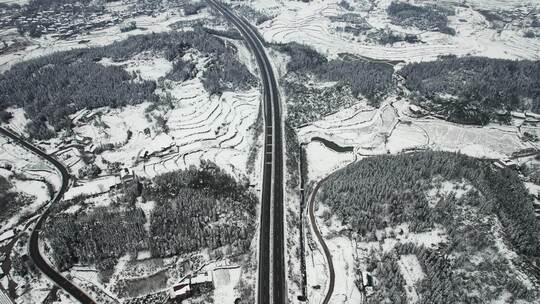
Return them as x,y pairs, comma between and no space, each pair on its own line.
271,287
33,245
320,239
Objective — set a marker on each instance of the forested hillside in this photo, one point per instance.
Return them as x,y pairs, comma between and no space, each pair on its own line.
10,200
52,87
194,209
472,89
101,236
353,77
200,209
429,17
385,191
388,190
371,79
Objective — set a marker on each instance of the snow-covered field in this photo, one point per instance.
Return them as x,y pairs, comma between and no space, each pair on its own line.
28,175
310,24
225,280
391,129
219,128
343,254
92,187
323,160
197,127
200,127
46,44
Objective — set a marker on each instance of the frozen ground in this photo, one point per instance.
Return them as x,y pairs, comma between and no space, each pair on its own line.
412,273
47,44
310,24
392,129
197,127
225,280
218,128
323,160
92,187
343,251
29,175
146,65
200,127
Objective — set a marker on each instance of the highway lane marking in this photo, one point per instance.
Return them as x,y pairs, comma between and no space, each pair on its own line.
269,84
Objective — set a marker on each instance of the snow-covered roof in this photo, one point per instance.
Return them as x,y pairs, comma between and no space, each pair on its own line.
533,115
518,114
414,108
95,186
202,278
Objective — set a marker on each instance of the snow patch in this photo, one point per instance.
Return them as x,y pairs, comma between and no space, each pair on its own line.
322,160
412,272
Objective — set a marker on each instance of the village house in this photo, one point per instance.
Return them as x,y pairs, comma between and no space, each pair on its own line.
191,285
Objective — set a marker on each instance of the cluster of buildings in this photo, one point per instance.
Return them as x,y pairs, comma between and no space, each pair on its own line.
7,15
67,20
191,286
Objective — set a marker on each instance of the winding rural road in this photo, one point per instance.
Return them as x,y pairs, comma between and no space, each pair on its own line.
271,286
33,244
320,239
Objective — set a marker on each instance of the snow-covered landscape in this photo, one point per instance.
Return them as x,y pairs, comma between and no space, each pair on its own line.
196,112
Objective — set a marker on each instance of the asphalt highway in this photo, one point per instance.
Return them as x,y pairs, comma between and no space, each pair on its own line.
271,287
320,239
33,245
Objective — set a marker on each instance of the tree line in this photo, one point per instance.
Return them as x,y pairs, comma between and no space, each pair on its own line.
429,17
370,79
52,87
194,209
472,89
383,191
10,200
308,104
390,283
353,77
193,8
200,209
253,15
101,235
